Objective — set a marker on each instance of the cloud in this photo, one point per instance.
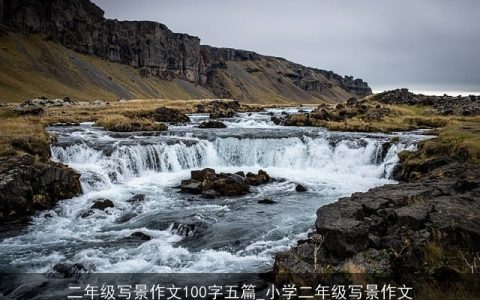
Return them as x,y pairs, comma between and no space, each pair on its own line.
430,44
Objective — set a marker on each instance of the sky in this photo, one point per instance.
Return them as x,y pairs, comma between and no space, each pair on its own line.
427,45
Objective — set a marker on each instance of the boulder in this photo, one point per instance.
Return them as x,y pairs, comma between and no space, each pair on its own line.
212,124
28,185
102,204
191,186
68,270
140,236
200,175
189,228
257,179
300,188
168,115
137,198
267,201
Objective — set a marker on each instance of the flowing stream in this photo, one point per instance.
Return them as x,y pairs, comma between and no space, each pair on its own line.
236,234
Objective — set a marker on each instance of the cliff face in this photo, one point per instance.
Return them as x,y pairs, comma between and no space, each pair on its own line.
156,51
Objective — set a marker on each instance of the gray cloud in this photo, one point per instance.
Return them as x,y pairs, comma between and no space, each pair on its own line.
428,44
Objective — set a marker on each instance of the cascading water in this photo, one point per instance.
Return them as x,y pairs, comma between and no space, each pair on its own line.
229,234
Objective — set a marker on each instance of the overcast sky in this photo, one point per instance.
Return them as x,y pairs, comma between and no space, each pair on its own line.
429,45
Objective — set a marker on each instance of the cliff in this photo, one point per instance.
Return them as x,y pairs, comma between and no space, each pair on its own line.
155,51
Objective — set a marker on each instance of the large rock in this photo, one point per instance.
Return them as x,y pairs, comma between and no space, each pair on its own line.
392,229
257,179
211,185
27,185
169,115
212,124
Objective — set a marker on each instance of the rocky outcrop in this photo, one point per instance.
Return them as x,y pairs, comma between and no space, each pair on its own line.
169,115
219,108
210,185
156,51
420,227
444,105
28,185
212,124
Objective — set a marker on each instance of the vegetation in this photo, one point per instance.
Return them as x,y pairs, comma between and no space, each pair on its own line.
121,123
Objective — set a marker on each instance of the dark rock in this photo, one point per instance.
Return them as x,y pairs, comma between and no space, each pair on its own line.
189,228
200,175
276,120
136,198
210,194
140,236
169,115
300,188
212,124
212,185
241,173
29,111
261,178
102,204
125,217
191,186
387,230
69,270
28,185
267,201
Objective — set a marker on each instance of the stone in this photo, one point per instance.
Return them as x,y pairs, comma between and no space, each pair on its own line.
189,227
191,186
300,188
137,198
67,270
28,185
102,204
267,201
169,115
210,194
140,236
257,179
212,124
200,175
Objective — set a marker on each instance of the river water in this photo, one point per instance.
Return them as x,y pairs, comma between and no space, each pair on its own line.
236,234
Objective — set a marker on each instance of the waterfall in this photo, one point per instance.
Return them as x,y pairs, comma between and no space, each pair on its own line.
304,153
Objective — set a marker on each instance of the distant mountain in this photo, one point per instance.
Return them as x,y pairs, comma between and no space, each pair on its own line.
67,47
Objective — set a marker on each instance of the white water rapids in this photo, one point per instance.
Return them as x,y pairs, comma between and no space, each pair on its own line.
239,234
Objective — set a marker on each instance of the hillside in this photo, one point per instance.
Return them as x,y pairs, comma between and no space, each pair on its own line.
67,47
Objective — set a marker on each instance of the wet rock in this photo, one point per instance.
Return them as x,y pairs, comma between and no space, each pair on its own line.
169,115
241,173
212,124
137,198
140,236
68,270
200,175
28,185
191,186
277,120
267,201
210,194
125,217
257,179
189,228
102,204
212,185
300,188
388,229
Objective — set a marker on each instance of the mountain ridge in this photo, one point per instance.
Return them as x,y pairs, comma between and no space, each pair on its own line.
155,51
